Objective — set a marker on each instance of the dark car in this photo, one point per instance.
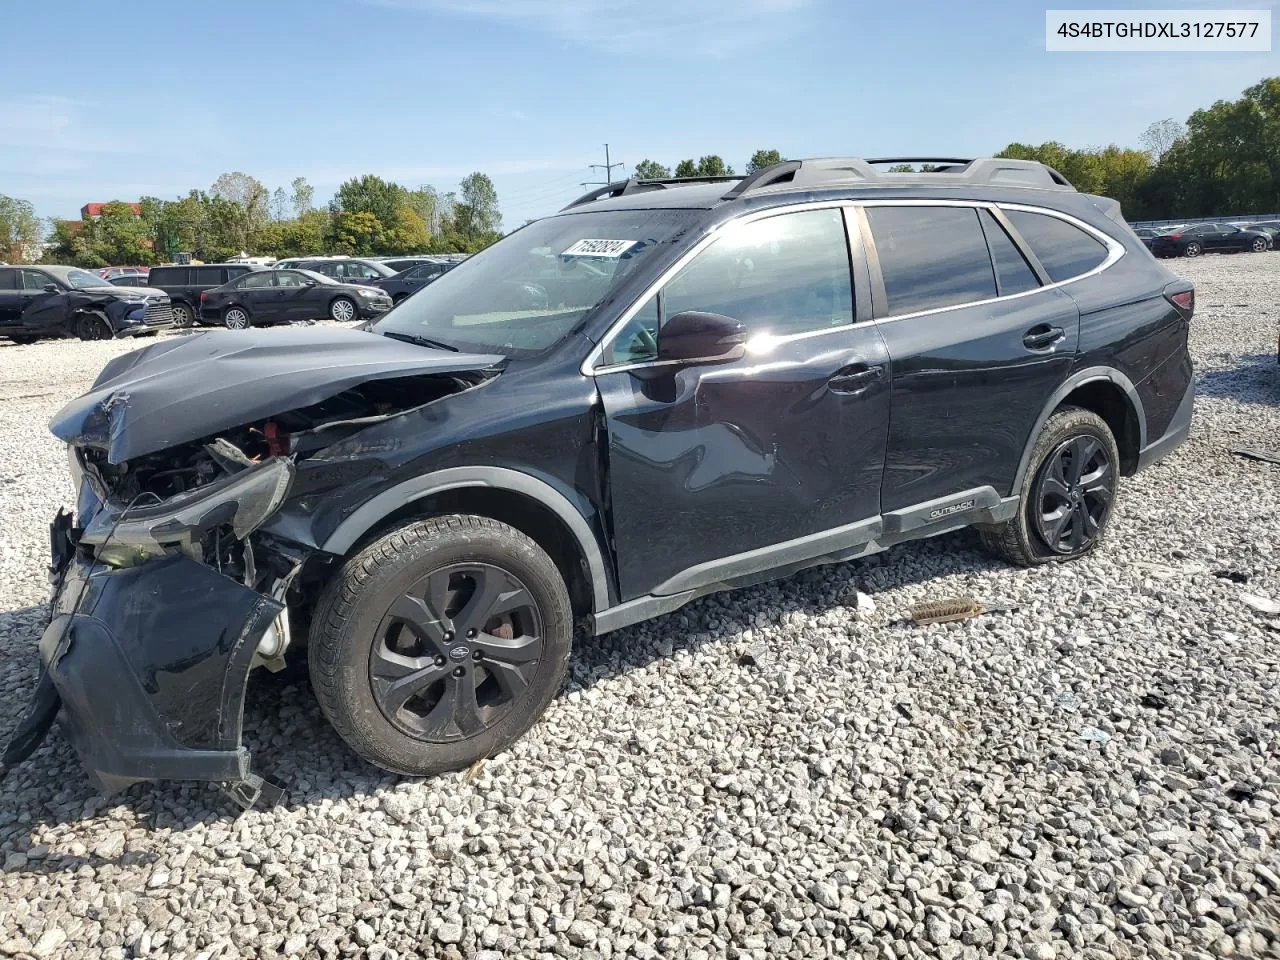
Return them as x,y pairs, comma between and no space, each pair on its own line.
185,283
1270,227
49,301
665,390
1198,238
413,279
348,269
264,297
130,280
1146,235
401,264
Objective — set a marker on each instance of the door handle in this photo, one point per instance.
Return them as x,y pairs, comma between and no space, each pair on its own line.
855,378
1043,337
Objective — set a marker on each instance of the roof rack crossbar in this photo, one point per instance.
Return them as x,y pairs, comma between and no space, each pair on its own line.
764,177
621,188
880,160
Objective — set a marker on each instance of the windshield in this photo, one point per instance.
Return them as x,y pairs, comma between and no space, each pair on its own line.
533,287
82,280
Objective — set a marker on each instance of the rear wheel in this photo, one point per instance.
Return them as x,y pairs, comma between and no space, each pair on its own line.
440,644
23,340
183,316
1068,494
92,326
1193,249
236,318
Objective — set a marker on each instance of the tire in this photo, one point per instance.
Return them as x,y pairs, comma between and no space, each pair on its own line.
398,299
1026,539
236,318
93,326
343,310
1192,249
184,318
22,340
1259,245
364,642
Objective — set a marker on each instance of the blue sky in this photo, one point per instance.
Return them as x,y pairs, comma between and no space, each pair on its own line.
159,97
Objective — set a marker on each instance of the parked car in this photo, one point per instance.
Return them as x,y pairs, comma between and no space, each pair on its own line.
401,264
129,280
110,273
49,301
184,284
413,279
1270,227
1146,235
264,297
660,392
349,269
1198,238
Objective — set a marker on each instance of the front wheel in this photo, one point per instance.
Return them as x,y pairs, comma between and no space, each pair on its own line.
440,644
91,326
1068,495
342,309
1193,250
1258,245
236,318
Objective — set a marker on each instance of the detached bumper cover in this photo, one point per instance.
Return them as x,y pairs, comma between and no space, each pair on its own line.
150,665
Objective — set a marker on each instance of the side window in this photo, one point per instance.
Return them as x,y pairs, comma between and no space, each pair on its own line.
211,276
255,280
35,280
931,257
289,279
8,279
780,275
1013,273
1065,251
363,271
638,340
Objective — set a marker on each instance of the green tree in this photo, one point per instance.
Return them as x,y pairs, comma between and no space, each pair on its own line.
246,211
763,158
279,204
357,233
302,197
118,235
712,166
477,212
407,234
370,194
651,170
686,168
19,230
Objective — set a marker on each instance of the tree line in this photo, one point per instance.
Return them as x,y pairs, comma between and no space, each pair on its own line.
368,216
1224,160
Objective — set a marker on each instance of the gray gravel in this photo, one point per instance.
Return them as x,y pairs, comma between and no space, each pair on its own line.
773,772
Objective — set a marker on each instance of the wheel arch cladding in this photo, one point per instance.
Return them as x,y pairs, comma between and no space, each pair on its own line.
532,506
1112,396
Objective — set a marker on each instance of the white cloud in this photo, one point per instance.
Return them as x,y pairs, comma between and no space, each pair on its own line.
677,27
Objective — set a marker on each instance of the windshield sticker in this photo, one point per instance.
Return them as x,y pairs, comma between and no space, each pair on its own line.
599,248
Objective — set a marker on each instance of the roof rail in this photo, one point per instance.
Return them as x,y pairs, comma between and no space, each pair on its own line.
621,188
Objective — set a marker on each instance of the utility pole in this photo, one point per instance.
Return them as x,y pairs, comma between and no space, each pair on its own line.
607,167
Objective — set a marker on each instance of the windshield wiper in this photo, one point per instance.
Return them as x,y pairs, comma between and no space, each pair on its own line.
420,341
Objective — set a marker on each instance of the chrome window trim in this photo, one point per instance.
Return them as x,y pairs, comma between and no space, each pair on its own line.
1115,250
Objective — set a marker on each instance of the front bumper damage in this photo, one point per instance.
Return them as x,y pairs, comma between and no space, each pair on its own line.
147,655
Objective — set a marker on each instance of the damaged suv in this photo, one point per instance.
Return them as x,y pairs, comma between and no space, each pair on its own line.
667,389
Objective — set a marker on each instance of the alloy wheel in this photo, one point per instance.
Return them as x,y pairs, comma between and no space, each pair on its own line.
182,316
236,319
342,310
93,328
1193,250
1259,245
1073,495
456,651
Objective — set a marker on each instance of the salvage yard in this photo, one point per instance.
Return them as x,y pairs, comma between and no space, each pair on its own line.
777,771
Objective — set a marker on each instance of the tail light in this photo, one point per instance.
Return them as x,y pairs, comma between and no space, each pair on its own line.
1182,297
204,295
1171,236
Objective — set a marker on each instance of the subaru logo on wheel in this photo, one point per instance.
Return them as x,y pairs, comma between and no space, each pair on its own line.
458,653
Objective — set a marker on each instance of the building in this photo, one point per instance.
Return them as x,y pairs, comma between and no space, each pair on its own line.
91,211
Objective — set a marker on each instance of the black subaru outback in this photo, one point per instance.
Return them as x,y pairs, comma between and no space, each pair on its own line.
669,388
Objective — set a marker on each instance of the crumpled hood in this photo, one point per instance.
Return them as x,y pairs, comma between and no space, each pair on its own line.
186,388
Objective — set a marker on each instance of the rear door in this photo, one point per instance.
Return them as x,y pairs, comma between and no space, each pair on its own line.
977,345
10,298
257,291
724,469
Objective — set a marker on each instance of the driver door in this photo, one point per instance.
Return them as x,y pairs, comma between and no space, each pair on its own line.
724,469
42,309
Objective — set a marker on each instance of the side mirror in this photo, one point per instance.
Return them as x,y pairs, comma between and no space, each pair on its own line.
50,288
696,337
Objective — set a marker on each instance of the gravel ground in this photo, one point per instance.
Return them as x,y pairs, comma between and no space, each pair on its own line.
771,772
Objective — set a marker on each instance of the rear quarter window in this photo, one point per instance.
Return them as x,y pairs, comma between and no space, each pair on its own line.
213,276
172,276
1064,250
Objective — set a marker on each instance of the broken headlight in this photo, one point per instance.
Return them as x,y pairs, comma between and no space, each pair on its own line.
242,501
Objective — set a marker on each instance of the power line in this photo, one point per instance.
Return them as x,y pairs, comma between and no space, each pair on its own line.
607,167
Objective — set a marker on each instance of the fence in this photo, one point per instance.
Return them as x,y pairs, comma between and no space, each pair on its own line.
1251,218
